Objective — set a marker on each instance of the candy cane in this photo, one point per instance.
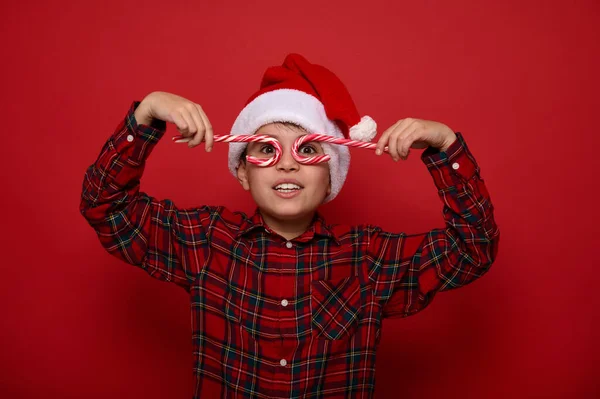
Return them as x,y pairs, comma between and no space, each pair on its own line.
257,138
311,160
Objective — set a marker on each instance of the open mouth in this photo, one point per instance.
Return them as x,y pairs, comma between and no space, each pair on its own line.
286,188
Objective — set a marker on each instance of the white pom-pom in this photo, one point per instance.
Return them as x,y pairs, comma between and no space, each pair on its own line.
364,130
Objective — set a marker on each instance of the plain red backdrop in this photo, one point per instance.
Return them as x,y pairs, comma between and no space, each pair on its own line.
518,78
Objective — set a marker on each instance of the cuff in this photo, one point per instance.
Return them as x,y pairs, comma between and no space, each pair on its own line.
138,140
452,167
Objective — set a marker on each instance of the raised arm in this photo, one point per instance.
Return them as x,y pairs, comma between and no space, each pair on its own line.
408,270
170,244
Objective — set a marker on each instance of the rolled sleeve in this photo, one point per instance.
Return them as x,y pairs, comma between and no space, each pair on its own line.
137,140
452,167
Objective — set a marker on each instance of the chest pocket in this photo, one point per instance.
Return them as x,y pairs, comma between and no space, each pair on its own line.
335,306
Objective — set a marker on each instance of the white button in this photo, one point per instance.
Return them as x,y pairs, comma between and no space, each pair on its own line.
284,302
283,362
288,244
455,165
130,138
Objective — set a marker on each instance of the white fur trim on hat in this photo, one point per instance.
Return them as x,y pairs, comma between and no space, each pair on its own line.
289,105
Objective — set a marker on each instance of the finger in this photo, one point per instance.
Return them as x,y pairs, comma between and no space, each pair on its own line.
405,128
412,134
192,128
179,121
395,140
199,123
393,144
399,148
383,140
208,136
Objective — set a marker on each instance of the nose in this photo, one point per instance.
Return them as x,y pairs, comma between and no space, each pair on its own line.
287,162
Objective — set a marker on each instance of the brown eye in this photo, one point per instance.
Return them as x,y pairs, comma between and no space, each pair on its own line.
267,149
308,150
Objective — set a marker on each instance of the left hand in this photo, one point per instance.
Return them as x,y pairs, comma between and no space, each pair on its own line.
414,133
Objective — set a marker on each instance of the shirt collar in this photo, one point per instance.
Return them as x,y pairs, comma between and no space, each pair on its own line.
318,227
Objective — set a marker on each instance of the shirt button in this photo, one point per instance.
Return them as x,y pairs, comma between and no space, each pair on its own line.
284,302
130,138
288,244
283,362
455,165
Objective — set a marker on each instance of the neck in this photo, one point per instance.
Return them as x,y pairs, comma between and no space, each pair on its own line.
288,228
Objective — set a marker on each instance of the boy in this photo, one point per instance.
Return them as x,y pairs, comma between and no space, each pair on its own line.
284,305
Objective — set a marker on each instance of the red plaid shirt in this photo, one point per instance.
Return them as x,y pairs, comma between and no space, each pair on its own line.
273,318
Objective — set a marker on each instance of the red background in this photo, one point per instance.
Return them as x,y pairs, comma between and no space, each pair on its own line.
518,78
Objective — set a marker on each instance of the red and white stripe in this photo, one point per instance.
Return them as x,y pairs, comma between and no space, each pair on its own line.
278,150
246,139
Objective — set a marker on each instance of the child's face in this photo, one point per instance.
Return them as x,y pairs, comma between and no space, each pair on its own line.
310,184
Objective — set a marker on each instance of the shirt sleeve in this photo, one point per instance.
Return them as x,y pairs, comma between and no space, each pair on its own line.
169,243
408,270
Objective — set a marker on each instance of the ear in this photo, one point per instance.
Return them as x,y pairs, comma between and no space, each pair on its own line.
242,175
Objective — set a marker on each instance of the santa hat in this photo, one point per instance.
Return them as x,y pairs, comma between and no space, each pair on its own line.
310,96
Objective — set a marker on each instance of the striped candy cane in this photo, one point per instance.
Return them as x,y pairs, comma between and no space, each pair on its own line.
311,160
257,138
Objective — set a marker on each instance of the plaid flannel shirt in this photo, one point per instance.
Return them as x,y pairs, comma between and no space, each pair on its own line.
273,318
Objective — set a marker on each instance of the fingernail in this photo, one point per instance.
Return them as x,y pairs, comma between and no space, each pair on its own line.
378,152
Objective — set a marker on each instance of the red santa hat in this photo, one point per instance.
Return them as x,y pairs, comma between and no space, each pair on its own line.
310,96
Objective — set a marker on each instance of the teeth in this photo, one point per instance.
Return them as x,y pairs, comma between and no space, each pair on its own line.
287,187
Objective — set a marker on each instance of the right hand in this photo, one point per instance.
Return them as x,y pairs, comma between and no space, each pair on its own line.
190,119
